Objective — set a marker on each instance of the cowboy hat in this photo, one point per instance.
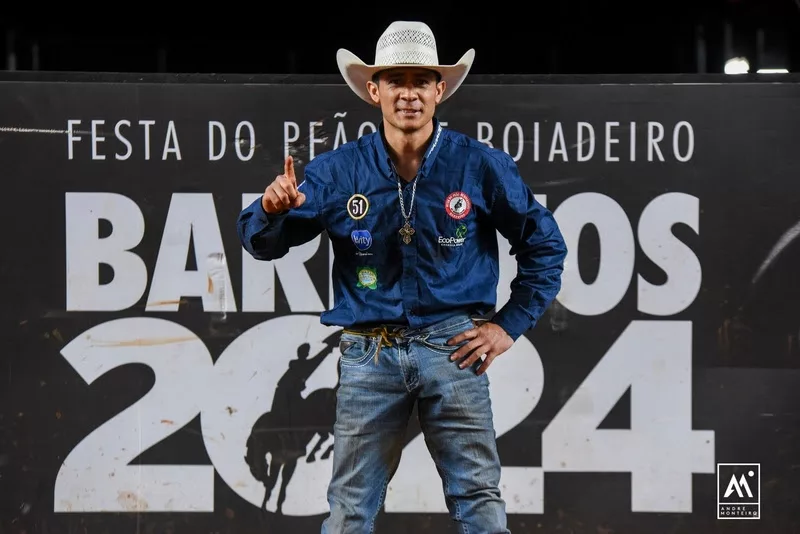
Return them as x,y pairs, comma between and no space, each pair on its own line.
403,44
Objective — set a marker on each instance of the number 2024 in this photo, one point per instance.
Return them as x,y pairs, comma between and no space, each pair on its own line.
652,358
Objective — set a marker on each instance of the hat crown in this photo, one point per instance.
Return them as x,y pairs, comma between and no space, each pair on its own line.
406,43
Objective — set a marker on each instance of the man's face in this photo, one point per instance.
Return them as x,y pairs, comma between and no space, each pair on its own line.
407,97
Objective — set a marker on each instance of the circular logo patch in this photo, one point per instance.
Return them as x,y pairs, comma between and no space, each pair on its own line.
357,206
457,205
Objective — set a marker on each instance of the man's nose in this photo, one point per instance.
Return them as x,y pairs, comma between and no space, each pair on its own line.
409,92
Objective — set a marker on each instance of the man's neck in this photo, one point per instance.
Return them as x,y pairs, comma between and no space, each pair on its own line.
407,150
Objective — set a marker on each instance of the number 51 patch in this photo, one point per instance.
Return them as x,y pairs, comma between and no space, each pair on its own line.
357,206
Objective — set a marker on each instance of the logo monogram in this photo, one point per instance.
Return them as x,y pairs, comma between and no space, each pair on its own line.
738,491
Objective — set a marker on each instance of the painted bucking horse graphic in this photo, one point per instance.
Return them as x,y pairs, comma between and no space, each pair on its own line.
285,431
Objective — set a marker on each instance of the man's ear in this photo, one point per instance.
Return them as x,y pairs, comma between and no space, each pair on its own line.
440,87
372,87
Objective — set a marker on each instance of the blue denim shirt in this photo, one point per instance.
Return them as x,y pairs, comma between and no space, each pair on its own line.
465,193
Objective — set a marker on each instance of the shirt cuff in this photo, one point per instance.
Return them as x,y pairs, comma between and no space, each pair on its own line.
513,319
269,217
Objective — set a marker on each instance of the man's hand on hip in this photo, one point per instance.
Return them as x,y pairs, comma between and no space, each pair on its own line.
488,339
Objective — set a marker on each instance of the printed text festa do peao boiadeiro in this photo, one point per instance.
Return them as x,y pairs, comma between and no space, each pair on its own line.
547,142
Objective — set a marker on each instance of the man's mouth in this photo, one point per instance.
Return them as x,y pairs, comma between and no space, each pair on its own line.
408,112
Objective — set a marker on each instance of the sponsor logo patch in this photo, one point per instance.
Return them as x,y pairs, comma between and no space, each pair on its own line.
458,205
362,239
457,240
367,277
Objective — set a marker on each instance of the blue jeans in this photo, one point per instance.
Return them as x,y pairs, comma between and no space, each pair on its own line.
374,402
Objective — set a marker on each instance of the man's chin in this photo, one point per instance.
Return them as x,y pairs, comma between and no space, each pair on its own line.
410,122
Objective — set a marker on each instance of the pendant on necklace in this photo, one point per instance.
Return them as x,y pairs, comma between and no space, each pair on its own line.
406,231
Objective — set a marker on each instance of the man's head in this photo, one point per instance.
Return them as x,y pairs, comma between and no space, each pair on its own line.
407,52
303,351
407,96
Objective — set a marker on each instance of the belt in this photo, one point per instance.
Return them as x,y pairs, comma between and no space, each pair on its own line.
382,332
386,333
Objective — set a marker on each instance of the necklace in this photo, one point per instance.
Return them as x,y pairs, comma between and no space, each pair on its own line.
407,231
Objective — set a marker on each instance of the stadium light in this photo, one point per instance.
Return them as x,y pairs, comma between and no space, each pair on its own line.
737,65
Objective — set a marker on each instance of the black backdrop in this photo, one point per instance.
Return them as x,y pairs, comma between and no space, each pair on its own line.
673,346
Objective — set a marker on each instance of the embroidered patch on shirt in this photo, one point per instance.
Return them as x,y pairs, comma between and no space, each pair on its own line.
357,206
457,240
458,205
362,239
367,277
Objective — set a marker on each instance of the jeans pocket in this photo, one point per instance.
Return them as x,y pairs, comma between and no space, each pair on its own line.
437,341
356,350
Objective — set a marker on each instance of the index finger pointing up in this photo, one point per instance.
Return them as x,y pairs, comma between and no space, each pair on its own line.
288,168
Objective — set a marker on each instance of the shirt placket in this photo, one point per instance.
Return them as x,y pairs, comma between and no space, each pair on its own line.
410,255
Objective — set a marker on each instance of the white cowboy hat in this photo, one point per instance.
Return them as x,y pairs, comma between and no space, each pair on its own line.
403,44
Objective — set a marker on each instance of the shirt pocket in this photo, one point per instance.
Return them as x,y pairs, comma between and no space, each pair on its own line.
437,341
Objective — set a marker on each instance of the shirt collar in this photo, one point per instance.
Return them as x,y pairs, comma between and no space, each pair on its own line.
385,161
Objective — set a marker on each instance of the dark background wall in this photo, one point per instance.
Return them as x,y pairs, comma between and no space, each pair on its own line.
568,36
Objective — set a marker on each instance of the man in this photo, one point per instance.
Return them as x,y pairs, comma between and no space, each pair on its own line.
412,211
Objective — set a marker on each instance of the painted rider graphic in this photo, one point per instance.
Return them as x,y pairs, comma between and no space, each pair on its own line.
292,423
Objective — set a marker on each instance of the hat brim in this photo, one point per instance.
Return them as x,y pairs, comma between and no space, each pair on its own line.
357,73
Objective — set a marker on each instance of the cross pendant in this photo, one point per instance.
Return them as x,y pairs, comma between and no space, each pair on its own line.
406,231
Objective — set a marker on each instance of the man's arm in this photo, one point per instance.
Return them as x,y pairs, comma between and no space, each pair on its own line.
269,236
538,245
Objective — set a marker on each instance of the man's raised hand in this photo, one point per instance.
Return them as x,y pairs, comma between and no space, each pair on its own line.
282,194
